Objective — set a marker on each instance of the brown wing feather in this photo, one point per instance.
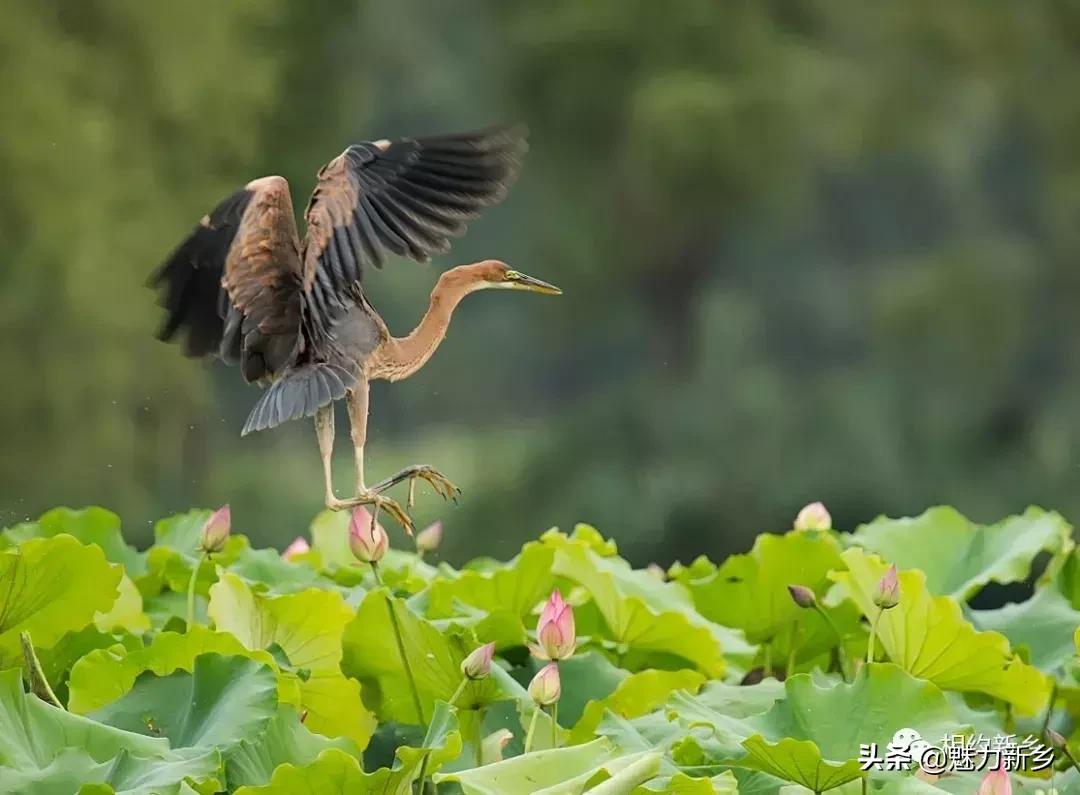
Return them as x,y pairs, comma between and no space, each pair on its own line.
234,282
408,197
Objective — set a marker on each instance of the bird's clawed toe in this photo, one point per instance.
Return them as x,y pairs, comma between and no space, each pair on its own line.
438,481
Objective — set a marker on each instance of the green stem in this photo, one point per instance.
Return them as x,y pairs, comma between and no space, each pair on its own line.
767,666
191,591
840,655
39,685
792,647
873,638
864,785
1050,707
555,725
401,647
532,728
479,736
459,691
1071,758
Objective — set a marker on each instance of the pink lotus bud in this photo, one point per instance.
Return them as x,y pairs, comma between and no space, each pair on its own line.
887,593
428,539
491,747
996,782
657,571
216,530
813,517
545,688
1057,739
298,547
802,596
367,539
555,633
478,664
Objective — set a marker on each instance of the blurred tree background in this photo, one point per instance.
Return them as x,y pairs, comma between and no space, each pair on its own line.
809,251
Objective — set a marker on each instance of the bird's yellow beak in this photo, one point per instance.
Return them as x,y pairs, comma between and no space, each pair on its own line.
522,281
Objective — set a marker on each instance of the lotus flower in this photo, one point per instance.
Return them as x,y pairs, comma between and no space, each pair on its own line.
367,539
478,664
555,633
298,547
429,539
996,782
802,596
545,688
216,530
887,593
813,517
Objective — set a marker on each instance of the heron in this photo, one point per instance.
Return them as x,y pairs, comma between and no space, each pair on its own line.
292,313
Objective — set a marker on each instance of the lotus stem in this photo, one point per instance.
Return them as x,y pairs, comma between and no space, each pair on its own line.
532,728
401,647
555,725
191,591
873,638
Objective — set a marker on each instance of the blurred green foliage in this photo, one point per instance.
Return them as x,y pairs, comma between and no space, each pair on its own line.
809,251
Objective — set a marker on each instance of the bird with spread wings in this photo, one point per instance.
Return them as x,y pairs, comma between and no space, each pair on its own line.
292,313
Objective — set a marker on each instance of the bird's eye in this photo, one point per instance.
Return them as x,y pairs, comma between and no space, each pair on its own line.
512,276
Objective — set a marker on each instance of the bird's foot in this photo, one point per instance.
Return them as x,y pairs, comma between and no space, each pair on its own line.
381,503
436,479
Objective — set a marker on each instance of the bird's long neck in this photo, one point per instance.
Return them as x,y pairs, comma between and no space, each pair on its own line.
406,355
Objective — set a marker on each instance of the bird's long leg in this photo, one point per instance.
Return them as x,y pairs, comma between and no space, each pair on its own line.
324,430
358,417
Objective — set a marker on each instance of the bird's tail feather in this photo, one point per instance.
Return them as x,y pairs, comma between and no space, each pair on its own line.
298,393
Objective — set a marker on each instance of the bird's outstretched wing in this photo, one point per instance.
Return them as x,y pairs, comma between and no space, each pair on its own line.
408,196
234,283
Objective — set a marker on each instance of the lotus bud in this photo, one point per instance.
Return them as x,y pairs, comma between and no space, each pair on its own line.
555,632
478,664
996,782
802,596
429,539
216,530
1057,739
813,517
298,547
545,688
657,571
491,747
367,539
887,593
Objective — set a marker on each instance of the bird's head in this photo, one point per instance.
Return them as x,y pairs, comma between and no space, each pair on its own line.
493,274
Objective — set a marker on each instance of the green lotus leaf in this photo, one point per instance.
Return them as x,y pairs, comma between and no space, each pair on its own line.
502,599
749,591
50,586
565,771
1042,624
76,771
641,615
928,636
634,696
433,657
681,784
276,575
90,526
286,740
959,556
221,702
105,675
126,614
800,762
34,733
307,627
335,772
